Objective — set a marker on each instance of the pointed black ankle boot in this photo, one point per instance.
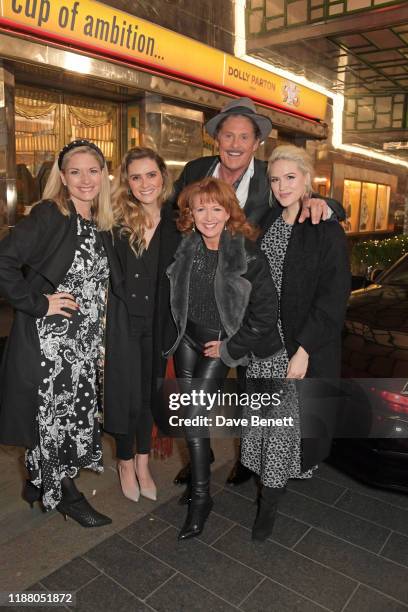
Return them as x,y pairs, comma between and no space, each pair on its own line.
82,512
75,505
267,509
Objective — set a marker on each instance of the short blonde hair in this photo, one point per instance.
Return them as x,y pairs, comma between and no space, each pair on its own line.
297,155
101,206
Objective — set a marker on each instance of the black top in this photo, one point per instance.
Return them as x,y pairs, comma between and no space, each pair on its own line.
202,307
141,278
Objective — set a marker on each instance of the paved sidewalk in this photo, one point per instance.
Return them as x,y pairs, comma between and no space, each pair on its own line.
337,545
33,543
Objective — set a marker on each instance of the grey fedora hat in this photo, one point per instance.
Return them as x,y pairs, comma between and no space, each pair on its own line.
240,106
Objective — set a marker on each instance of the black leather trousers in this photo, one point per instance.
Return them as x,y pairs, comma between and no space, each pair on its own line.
197,372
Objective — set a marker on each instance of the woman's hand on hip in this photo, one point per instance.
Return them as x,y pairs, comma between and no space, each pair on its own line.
59,303
212,349
298,364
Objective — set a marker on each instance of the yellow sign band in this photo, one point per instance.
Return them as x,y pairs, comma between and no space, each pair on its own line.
87,24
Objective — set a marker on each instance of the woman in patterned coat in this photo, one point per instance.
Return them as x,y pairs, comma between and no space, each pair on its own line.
54,270
310,269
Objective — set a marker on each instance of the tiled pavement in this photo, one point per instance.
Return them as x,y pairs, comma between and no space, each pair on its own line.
337,545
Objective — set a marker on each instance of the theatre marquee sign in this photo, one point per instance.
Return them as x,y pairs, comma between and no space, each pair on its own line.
92,26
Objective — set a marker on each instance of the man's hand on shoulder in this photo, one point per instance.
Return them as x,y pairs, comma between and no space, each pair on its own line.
315,209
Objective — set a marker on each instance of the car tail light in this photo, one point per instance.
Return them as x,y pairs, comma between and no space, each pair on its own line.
395,401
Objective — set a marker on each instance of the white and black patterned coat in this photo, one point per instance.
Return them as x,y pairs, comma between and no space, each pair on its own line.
34,259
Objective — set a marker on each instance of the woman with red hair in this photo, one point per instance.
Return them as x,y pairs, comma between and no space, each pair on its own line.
224,307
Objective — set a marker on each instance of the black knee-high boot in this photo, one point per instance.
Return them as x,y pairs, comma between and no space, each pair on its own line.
201,502
267,507
185,498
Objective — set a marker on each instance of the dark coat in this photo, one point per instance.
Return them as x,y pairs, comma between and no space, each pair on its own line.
314,293
244,292
315,288
120,366
163,325
34,259
260,197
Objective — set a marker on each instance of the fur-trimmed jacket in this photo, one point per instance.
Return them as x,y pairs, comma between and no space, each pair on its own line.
244,292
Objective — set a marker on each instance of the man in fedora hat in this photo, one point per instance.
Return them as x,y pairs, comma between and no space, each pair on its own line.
238,130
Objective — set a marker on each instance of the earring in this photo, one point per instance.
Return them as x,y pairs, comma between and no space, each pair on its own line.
225,228
193,227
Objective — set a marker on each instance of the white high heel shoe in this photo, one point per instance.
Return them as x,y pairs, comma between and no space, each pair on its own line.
131,491
148,492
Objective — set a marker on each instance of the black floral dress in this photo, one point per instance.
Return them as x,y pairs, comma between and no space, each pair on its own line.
68,427
272,452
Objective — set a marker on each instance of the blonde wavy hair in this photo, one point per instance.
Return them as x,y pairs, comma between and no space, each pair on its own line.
56,190
129,214
297,155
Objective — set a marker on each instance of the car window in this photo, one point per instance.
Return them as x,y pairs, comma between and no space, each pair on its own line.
398,275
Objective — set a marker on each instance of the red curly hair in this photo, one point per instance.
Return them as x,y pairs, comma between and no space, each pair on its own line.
211,189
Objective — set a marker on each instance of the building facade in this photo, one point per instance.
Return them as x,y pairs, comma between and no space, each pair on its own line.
90,70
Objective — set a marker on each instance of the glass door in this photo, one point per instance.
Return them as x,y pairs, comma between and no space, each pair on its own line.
45,121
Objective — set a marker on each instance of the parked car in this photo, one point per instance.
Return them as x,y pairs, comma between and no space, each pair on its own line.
374,419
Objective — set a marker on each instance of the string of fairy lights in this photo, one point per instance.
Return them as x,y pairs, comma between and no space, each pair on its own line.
380,253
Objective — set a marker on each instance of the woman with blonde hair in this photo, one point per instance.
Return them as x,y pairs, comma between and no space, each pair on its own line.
54,269
145,241
224,308
310,269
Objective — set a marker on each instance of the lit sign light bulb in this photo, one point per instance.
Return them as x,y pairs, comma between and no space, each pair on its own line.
77,63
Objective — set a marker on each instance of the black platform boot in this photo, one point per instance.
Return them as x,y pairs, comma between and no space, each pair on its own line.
267,507
75,505
201,502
